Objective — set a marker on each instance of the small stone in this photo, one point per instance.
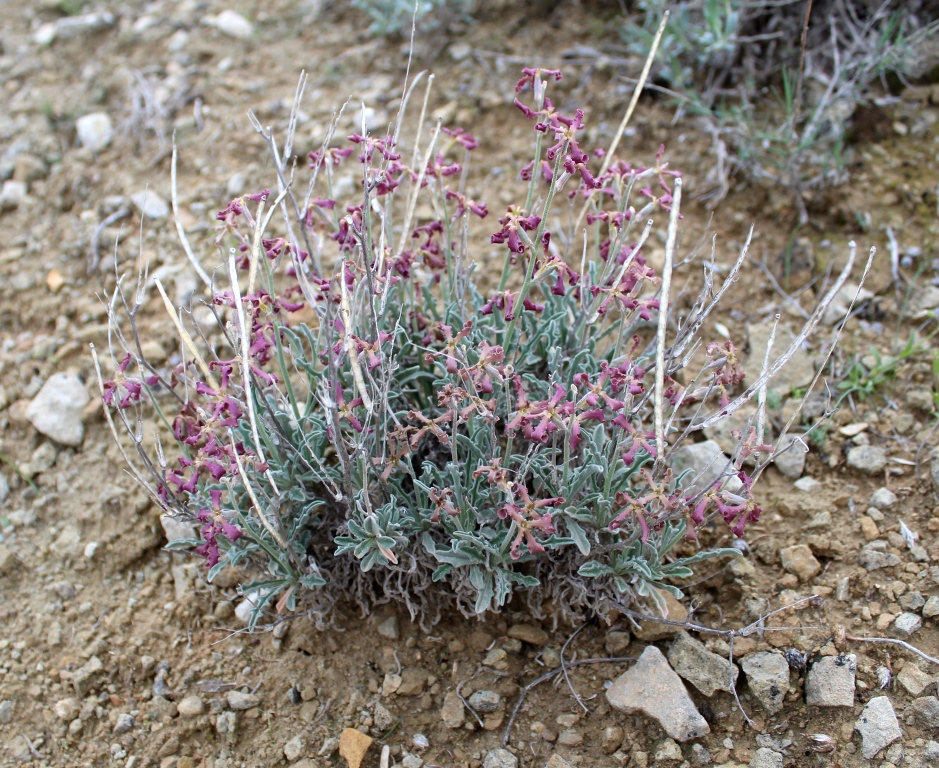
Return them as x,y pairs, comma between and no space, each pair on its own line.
570,737
411,761
390,685
651,687
766,758
71,27
613,737
913,680
926,710
413,681
650,631
883,498
830,681
807,485
821,520
706,671
706,461
191,706
529,634
6,711
700,757
452,712
799,560
94,131
91,548
232,24
12,195
617,642
67,709
768,677
389,628
382,717
878,726
65,589
150,204
912,600
56,411
497,659
667,753
223,610
907,623
124,723
226,725
485,701
930,607
177,530
293,748
242,701
873,559
82,677
500,758
551,658
792,462
869,459
459,51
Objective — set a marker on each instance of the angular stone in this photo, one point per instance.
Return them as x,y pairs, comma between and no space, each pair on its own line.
293,748
706,461
353,745
617,642
67,709
530,634
878,726
799,560
869,459
651,687
452,712
926,710
768,677
873,559
56,410
667,754
913,680
413,680
766,758
830,681
500,758
382,717
791,463
883,498
485,701
389,628
83,676
570,737
930,607
650,631
706,671
242,701
226,725
907,623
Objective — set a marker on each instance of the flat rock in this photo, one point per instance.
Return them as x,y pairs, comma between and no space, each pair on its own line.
706,671
232,24
293,748
799,560
667,753
650,631
191,706
768,677
452,712
653,688
500,758
56,411
150,204
926,710
528,633
241,701
706,461
913,680
830,681
95,131
389,628
353,745
873,559
413,680
765,757
883,498
907,624
869,459
485,701
878,726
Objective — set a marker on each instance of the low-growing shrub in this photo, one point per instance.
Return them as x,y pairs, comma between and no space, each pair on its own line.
382,414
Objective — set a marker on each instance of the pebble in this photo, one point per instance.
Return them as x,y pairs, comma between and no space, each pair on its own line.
500,758
617,642
651,687
390,684
485,701
878,726
700,757
792,462
651,631
12,195
497,659
667,753
293,748
232,24
71,27
807,485
67,709
529,634
452,712
883,498
926,710
4,488
799,560
411,761
389,628
56,411
150,204
706,671
177,530
226,725
95,131
931,607
6,711
869,459
871,559
191,706
706,461
830,681
551,658
241,701
125,722
768,677
382,717
766,758
907,624
570,737
613,736
413,680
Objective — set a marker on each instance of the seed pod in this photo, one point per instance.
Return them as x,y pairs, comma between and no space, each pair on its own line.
822,742
884,677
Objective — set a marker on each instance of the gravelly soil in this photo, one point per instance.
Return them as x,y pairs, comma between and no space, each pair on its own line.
98,622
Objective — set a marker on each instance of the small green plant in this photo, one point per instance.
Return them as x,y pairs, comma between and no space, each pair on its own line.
865,381
395,16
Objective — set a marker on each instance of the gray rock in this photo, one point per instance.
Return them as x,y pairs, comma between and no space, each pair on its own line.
613,736
150,204
95,131
931,607
67,709
912,600
830,681
411,761
798,372
4,488
700,757
83,676
389,628
768,677
226,725
452,712
792,462
926,710
382,717
12,195
907,623
883,498
125,721
6,711
706,461
570,737
869,459
176,530
500,758
873,559
293,748
71,27
651,687
191,706
241,701
485,701
232,24
766,758
807,484
56,411
878,726
706,671
934,469
667,753
617,642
